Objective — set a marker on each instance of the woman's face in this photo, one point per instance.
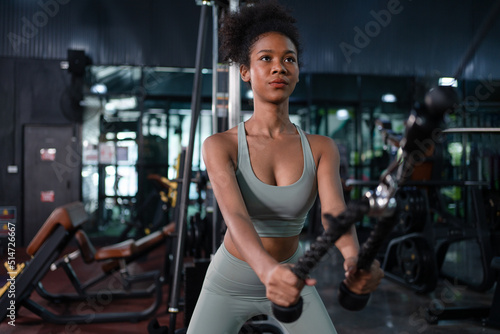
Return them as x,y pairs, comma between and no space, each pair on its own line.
274,70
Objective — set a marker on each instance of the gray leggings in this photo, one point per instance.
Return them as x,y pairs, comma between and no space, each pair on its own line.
232,293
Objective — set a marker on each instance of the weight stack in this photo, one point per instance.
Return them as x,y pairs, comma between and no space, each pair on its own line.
194,276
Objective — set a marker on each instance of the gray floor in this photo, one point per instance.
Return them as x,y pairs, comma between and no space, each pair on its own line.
396,309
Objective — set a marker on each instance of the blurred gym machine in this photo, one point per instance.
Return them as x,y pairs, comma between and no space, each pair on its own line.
117,208
472,244
429,241
161,200
409,258
464,248
485,228
451,236
61,228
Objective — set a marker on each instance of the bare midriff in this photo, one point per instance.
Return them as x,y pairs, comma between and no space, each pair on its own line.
280,249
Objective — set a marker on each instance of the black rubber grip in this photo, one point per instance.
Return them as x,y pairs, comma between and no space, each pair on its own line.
338,226
348,299
352,301
288,314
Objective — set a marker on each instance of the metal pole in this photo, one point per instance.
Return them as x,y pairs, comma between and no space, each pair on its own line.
481,33
215,62
215,116
234,109
186,180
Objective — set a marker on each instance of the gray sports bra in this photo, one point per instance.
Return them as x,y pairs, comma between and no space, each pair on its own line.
276,211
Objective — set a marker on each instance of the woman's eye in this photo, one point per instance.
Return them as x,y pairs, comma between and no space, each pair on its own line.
290,60
265,58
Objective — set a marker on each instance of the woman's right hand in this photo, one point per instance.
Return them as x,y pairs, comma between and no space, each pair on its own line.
283,286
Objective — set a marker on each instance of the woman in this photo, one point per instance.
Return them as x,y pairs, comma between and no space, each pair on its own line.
266,173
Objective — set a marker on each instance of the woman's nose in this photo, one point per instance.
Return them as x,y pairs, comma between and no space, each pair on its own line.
279,67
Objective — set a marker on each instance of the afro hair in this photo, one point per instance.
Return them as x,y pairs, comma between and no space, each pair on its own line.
240,30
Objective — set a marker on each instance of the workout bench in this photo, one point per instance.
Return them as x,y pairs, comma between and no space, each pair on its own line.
114,258
62,226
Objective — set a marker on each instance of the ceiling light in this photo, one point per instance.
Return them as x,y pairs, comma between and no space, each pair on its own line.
389,98
99,89
448,81
342,114
121,103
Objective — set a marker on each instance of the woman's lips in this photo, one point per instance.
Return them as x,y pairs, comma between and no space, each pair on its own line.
278,83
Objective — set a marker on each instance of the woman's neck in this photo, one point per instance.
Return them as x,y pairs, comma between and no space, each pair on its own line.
269,119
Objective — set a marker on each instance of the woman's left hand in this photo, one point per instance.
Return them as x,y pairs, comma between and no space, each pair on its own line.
362,281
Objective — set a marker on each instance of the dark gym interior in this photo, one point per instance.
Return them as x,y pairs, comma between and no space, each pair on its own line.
107,216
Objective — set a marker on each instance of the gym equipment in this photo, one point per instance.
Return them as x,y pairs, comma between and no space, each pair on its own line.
13,273
453,232
388,135
491,200
113,258
410,261
491,314
198,242
409,257
155,328
50,241
438,232
423,120
173,308
337,227
416,258
411,243
258,325
165,195
414,209
472,241
194,276
44,248
488,315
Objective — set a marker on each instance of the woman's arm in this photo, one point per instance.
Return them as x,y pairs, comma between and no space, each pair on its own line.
331,195
282,286
332,202
222,176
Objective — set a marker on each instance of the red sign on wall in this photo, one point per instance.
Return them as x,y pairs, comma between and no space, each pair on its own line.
7,213
48,154
47,196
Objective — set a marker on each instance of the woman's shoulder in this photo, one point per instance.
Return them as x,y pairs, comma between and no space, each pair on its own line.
321,142
323,148
222,141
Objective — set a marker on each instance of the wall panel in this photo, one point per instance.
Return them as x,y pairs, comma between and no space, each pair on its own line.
418,37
